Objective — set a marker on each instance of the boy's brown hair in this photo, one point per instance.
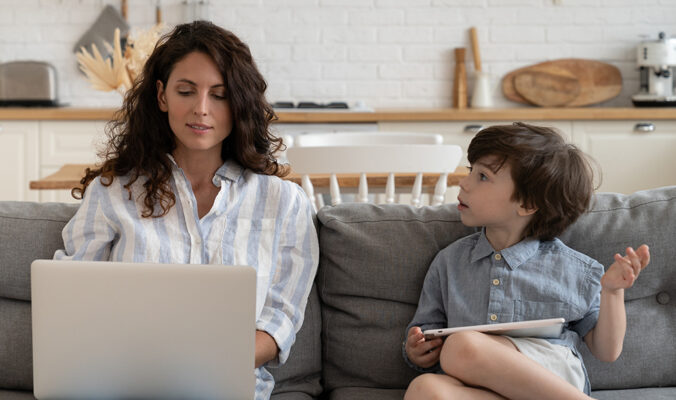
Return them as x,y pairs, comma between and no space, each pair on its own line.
549,175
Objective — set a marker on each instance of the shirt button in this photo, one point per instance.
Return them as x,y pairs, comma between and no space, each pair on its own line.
494,317
498,256
496,282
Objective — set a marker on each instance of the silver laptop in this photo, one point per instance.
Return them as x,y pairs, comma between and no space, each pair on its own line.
144,331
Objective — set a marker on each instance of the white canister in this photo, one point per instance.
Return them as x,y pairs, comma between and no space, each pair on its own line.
482,97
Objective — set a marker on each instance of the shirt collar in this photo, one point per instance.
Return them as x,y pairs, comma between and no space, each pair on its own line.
230,170
514,255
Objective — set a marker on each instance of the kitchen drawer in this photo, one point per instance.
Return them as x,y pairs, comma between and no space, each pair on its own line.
63,142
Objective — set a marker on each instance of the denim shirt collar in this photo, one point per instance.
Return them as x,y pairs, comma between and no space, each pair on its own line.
514,255
230,170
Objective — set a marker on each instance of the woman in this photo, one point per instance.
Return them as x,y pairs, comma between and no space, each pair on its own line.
189,177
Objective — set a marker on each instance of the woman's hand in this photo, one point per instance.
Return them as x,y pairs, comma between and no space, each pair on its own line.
623,272
421,351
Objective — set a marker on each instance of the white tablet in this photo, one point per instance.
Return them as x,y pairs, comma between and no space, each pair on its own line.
539,328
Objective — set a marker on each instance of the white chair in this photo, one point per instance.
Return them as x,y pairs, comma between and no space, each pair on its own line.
381,159
365,138
357,138
280,155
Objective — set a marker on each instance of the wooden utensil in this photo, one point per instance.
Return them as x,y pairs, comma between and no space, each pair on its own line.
158,13
460,80
597,81
475,49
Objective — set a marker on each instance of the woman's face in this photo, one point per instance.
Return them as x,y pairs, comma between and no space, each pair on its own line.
194,99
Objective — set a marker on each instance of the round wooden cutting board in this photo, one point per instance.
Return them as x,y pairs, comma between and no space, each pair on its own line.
570,82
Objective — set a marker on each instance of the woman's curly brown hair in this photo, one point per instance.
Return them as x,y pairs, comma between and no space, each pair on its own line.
139,136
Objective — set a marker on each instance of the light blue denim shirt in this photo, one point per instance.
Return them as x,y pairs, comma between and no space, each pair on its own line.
469,283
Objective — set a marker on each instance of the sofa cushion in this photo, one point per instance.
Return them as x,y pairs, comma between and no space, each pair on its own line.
666,393
615,222
373,260
301,373
27,231
16,356
366,393
16,395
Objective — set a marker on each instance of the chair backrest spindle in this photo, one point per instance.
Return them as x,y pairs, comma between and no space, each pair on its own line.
335,190
389,189
381,159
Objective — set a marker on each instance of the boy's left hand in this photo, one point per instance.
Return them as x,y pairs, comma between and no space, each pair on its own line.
624,271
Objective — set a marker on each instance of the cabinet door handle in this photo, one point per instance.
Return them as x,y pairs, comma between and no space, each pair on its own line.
644,127
473,129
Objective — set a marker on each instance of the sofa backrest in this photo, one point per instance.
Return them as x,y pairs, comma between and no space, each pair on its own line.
30,231
373,260
615,222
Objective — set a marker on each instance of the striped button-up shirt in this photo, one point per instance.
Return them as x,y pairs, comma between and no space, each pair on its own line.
256,220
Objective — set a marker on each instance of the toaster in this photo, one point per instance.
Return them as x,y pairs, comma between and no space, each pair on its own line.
28,83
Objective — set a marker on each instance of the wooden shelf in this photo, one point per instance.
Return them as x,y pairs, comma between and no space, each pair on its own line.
385,115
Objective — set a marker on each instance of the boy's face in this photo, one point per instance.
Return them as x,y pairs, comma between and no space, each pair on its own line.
485,198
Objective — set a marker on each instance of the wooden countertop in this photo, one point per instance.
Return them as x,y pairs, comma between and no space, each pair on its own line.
69,175
383,115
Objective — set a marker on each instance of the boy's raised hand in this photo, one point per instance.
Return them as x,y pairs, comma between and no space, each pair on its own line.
624,271
421,351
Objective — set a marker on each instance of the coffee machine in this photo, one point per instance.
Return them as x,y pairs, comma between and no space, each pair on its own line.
657,65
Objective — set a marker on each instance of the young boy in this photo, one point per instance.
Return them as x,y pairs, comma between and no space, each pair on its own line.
525,187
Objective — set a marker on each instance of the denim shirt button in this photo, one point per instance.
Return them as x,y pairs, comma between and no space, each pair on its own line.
663,298
494,317
498,256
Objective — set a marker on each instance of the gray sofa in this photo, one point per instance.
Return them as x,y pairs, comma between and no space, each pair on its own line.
373,261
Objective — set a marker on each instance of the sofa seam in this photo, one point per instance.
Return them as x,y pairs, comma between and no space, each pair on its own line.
389,220
634,206
34,219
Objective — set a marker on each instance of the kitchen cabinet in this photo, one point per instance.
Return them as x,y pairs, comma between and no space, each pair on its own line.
632,155
68,142
19,162
30,150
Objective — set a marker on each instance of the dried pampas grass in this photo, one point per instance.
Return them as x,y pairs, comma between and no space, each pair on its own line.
139,48
120,73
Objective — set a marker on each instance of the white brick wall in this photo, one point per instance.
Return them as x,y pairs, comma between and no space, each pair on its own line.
383,52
